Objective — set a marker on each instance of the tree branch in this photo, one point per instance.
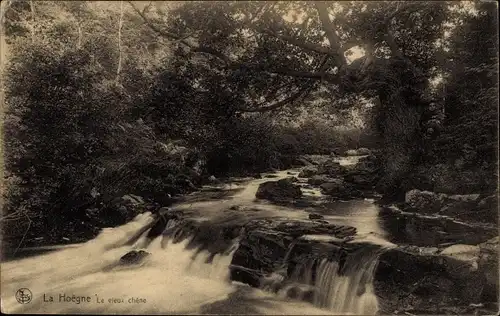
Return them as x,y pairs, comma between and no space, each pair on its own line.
302,44
181,39
316,75
329,29
389,38
281,103
302,92
230,64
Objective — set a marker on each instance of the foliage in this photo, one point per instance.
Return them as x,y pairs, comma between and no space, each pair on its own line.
106,99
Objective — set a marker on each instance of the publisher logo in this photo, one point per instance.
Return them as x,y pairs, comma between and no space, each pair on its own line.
24,296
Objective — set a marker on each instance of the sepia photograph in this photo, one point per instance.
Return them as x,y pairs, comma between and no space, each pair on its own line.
249,157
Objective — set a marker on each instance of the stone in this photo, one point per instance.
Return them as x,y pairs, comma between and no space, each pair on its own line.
212,179
320,179
133,199
315,216
459,209
466,259
316,159
463,197
270,176
301,161
290,179
134,257
421,280
271,245
308,172
425,201
339,189
281,190
330,167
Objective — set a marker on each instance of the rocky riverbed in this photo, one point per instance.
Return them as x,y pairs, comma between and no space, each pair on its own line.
436,263
316,234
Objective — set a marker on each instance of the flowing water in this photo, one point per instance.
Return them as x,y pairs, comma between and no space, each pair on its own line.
172,280
341,285
176,279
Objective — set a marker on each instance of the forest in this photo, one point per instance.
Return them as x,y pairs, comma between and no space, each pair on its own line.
102,99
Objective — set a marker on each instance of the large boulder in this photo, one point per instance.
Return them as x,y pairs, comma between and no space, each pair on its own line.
425,201
467,207
316,159
300,162
291,179
320,179
365,174
361,181
279,191
124,208
331,167
417,280
308,172
339,189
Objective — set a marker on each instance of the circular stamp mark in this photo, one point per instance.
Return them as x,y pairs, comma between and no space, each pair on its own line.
24,296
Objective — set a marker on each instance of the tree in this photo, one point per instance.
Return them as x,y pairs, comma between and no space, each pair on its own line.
470,90
281,51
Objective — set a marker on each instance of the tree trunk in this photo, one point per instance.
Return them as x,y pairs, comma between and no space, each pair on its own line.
120,52
80,35
32,7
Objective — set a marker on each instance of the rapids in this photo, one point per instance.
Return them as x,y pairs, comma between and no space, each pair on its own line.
175,279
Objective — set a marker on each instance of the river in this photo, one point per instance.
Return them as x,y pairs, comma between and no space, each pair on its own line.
86,278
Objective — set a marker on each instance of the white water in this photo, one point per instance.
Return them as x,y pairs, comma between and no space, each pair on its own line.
175,280
345,290
170,280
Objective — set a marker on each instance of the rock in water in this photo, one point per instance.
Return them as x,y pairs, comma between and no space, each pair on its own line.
134,257
270,176
331,167
315,216
282,190
339,189
290,179
132,199
320,179
425,201
308,172
458,275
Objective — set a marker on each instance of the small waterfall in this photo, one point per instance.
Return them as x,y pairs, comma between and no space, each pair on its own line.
342,284
350,288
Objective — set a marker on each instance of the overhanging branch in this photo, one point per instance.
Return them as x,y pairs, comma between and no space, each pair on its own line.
301,93
329,29
230,64
281,103
181,39
300,43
